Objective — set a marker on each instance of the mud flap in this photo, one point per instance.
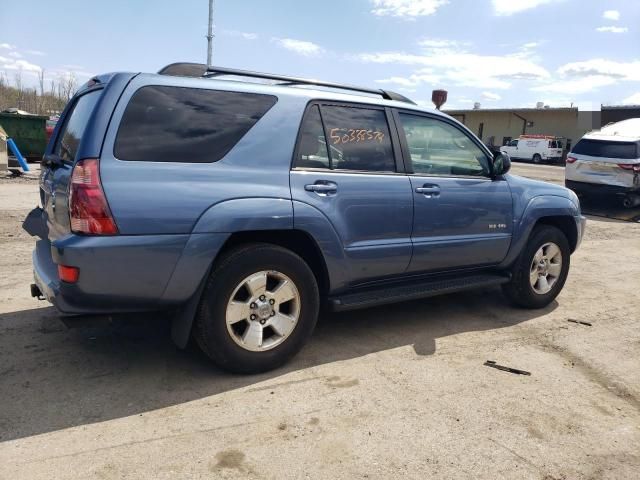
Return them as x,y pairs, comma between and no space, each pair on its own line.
182,321
35,225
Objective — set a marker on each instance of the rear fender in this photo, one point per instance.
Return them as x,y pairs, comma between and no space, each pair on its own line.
242,214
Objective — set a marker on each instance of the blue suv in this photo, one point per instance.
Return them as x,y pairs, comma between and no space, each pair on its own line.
242,202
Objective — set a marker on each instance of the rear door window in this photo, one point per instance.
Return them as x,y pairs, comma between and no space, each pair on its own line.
177,124
358,139
74,126
603,148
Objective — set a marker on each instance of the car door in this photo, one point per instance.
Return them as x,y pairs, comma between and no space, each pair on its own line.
347,166
462,217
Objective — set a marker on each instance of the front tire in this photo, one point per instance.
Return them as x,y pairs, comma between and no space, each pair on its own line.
537,158
258,309
541,269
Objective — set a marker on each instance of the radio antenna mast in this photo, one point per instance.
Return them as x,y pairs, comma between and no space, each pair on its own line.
210,35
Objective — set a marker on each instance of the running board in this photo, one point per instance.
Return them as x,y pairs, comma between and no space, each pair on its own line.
401,293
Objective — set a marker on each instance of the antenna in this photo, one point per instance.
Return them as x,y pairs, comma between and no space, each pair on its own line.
210,35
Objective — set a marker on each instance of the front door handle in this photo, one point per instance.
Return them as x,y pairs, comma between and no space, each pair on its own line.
429,191
322,188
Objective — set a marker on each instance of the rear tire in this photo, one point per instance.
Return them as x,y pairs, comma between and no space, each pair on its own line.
537,158
541,270
258,309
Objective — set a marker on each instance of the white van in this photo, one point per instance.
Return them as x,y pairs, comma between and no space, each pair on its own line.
536,148
607,162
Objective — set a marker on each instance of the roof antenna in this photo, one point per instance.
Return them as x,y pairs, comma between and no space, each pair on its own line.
210,36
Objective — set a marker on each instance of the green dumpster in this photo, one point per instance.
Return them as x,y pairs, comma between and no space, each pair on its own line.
28,131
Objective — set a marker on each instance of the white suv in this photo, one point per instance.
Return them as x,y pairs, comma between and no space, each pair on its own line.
607,162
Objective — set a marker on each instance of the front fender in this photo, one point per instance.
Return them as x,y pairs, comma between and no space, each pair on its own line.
537,208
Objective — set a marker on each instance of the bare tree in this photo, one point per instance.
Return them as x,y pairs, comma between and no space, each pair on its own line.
69,85
17,81
42,102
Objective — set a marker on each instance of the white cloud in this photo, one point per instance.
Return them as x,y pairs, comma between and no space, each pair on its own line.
509,7
18,65
611,15
588,76
632,100
611,29
600,67
576,86
406,8
460,68
245,35
34,52
491,96
14,54
7,46
424,77
307,49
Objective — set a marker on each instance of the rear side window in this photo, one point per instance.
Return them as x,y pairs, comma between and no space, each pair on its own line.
176,124
74,126
603,148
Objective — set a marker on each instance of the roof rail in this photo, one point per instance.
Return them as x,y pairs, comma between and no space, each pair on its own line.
201,70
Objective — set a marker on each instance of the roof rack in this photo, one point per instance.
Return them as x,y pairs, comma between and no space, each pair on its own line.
201,70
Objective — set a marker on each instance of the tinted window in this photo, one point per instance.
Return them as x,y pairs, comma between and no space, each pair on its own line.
312,149
173,124
438,148
358,139
603,148
74,126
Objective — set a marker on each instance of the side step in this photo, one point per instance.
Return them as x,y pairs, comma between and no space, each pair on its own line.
401,293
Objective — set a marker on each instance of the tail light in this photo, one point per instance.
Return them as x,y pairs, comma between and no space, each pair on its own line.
630,166
88,207
571,159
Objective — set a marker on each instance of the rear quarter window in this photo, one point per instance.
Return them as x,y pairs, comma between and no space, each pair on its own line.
178,124
604,148
74,126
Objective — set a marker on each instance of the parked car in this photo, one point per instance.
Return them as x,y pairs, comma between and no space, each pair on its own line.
607,162
242,207
536,148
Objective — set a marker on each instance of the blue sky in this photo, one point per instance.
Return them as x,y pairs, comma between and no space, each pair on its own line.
501,53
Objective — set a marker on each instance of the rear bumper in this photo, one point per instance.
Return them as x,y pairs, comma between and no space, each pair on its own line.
585,188
122,273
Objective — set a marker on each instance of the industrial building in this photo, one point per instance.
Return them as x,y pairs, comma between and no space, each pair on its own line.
497,126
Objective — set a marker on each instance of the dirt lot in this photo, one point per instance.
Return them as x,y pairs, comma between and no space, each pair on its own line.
382,393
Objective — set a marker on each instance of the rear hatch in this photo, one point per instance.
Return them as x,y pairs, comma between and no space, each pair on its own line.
57,165
606,162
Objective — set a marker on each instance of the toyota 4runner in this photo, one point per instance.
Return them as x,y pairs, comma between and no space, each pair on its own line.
241,206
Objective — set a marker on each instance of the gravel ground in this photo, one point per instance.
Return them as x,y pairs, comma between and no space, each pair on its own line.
381,393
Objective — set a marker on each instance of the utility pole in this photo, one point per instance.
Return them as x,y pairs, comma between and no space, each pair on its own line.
210,36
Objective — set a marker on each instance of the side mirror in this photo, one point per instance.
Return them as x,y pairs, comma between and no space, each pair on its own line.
501,164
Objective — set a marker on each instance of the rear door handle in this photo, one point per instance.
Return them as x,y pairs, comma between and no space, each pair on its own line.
322,188
429,190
